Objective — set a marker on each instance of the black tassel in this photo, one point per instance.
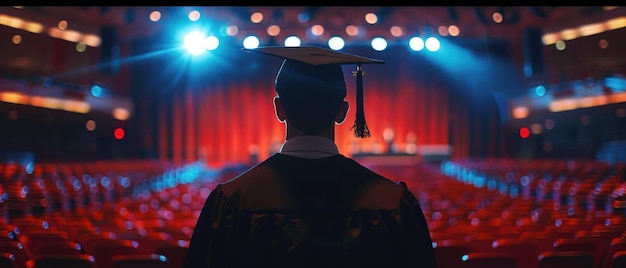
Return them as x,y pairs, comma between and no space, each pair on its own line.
360,126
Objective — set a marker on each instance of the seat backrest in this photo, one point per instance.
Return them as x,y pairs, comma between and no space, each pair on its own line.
140,260
175,254
450,253
7,260
20,255
89,245
150,245
618,260
54,248
569,259
617,244
55,261
524,251
489,260
105,253
574,244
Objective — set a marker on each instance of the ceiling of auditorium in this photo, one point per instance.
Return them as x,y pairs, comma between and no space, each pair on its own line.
475,21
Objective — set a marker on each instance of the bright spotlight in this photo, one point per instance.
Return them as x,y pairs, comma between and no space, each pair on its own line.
292,41
432,44
336,43
379,43
195,43
211,42
251,41
416,43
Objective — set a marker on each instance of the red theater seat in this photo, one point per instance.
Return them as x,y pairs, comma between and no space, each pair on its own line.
566,259
449,253
17,249
618,260
490,260
140,261
8,260
174,254
58,261
524,251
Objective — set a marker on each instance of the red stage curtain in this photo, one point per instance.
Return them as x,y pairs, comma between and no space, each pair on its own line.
223,120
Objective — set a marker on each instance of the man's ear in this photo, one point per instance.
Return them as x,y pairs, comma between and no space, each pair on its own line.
280,112
343,112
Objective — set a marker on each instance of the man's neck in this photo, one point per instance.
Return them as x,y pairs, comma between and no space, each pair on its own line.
293,132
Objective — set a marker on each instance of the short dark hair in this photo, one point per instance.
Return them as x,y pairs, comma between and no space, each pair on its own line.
311,95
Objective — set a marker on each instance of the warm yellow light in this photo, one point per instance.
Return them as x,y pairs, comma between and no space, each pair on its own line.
33,27
90,125
550,38
155,16
520,112
618,97
11,21
569,34
497,17
91,40
17,39
256,17
454,30
72,36
76,106
121,114
591,29
563,105
273,30
14,97
397,31
616,23
62,24
352,30
317,30
371,18
55,32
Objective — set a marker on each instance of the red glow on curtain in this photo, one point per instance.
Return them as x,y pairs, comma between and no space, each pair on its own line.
233,121
163,133
177,129
191,146
225,119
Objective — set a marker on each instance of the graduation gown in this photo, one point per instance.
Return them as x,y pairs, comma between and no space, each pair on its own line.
296,212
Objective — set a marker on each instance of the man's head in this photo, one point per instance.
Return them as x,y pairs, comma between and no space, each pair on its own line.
311,88
311,95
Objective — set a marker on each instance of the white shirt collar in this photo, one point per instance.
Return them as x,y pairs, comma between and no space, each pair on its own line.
309,147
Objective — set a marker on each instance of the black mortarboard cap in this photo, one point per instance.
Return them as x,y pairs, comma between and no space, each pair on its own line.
321,68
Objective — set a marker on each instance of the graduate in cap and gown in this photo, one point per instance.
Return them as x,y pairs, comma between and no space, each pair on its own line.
308,205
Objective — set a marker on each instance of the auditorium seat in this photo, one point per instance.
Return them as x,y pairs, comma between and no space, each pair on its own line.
175,253
524,251
57,261
45,248
566,259
616,245
17,249
489,260
449,253
8,260
617,260
140,261
149,245
104,254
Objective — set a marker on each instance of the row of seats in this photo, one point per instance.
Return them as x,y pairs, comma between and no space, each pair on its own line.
164,206
465,213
